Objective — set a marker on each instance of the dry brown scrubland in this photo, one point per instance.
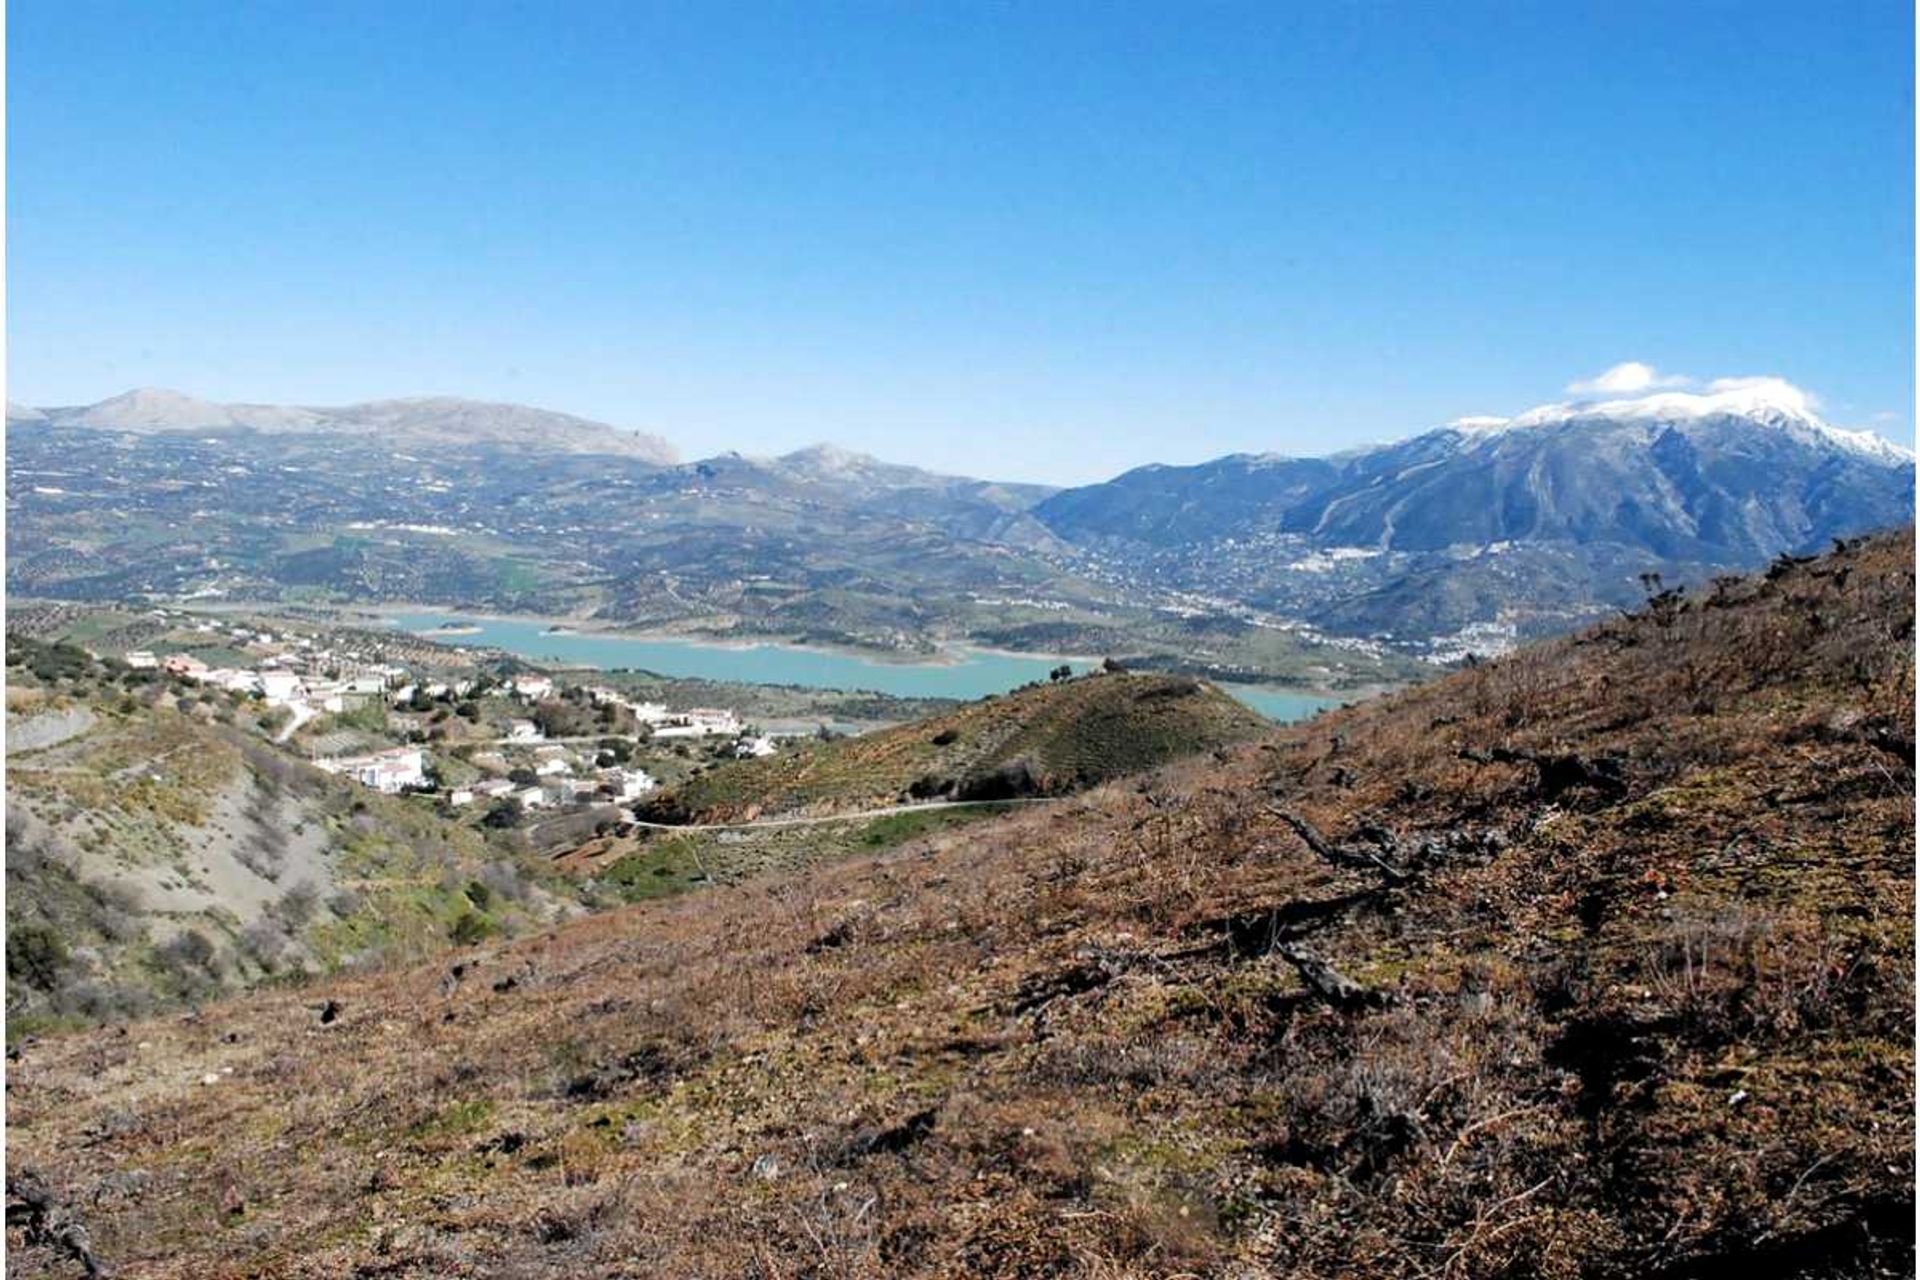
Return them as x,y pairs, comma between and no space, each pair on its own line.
1602,967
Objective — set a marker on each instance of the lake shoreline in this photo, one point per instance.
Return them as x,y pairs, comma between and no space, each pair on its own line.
944,654
470,630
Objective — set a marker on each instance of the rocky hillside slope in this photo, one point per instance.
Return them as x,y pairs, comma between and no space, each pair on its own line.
1591,962
1044,740
161,850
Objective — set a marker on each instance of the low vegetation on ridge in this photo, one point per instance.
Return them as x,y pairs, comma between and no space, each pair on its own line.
1043,740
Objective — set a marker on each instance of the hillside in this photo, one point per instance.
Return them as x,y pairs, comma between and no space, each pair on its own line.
1044,740
160,850
1595,961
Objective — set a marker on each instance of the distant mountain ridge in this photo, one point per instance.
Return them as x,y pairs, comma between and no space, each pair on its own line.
1459,539
1737,482
1526,524
423,420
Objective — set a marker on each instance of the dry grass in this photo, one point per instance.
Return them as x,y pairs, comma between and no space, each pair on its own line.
1661,1029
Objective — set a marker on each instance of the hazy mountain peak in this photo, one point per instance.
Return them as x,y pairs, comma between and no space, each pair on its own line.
418,421
829,457
155,408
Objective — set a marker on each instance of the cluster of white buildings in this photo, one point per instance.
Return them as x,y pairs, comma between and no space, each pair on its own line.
311,679
694,722
559,786
284,681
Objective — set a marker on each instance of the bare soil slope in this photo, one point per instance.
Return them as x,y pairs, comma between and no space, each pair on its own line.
1591,962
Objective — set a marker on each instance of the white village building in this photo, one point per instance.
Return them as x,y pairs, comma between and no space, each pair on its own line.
389,772
533,688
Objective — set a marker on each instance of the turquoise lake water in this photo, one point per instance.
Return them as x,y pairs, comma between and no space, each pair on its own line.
976,676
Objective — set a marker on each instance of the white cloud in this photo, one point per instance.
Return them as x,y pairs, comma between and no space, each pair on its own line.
1625,379
1772,391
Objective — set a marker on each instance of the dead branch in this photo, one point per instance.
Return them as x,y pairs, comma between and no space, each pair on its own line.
1350,856
1329,983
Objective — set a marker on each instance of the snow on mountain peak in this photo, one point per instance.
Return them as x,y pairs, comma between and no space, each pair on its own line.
1767,401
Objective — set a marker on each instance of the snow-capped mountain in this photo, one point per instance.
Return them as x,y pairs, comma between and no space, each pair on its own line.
1735,474
1557,509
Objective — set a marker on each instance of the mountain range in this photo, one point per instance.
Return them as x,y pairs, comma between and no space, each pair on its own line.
425,421
1531,518
1682,477
1465,537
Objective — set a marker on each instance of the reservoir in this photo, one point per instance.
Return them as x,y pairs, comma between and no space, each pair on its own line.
974,675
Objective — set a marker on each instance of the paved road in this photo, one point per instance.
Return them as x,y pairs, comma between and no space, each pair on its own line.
841,817
546,742
301,714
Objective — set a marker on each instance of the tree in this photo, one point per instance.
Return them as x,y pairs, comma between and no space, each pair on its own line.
470,928
1061,672
505,814
36,955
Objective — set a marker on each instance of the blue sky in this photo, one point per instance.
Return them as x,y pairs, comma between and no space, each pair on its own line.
1038,240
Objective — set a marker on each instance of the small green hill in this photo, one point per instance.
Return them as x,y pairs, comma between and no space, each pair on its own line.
1040,741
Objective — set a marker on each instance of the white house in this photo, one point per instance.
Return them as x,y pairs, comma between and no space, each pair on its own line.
142,660
492,788
713,719
754,748
523,731
532,798
389,772
279,686
627,784
231,679
552,767
460,796
533,688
